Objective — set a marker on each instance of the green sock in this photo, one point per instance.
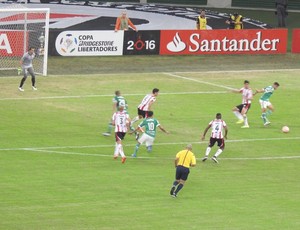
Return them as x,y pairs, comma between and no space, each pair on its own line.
109,128
136,148
269,112
264,117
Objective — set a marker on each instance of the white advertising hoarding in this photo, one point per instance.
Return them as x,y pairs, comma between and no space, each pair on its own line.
90,43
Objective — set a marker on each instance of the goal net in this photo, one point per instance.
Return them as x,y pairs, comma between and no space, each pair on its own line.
21,28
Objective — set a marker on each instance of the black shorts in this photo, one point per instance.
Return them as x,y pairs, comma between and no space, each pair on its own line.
182,173
241,106
142,113
120,136
221,142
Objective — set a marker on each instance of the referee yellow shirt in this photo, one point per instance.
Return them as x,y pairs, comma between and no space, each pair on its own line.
185,158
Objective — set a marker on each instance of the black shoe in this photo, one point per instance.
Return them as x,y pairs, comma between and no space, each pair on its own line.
172,190
204,159
174,195
215,159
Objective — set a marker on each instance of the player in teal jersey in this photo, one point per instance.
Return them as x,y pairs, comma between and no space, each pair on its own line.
118,98
149,132
266,106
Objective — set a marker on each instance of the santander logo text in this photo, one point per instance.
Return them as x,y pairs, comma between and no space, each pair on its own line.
223,41
226,44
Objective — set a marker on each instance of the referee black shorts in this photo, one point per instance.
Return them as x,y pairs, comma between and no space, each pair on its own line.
182,173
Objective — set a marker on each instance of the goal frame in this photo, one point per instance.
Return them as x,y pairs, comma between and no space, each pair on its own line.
46,35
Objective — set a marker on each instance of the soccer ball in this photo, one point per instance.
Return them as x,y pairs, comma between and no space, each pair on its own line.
285,129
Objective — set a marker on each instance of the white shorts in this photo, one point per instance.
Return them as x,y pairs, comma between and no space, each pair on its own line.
264,104
147,139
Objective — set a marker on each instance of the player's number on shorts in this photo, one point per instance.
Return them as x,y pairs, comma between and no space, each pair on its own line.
151,126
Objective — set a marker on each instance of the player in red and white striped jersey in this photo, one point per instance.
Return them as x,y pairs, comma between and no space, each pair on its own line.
120,120
145,106
217,125
240,111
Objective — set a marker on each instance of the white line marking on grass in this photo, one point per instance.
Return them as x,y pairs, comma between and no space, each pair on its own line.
241,71
109,95
157,144
166,158
198,81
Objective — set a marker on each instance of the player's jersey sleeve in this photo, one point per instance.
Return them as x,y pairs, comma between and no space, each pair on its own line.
142,124
241,90
193,160
210,123
157,123
224,124
113,116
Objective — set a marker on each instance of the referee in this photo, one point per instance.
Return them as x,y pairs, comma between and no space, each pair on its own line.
183,161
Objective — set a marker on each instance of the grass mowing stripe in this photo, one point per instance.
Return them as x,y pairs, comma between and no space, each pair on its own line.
108,95
160,144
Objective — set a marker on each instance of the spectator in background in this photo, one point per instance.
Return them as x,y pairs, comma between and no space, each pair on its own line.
201,21
123,22
235,21
281,12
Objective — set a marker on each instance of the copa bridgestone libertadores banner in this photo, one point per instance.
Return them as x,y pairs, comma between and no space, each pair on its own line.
296,41
168,42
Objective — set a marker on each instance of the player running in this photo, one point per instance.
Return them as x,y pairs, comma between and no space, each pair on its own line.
149,124
265,104
117,100
217,125
145,106
120,120
240,111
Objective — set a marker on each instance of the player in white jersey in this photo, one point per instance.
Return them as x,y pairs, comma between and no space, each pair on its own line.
217,125
145,106
240,111
120,120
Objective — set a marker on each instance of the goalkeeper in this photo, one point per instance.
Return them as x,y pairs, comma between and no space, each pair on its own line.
26,62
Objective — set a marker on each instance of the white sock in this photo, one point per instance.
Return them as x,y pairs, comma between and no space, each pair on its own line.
120,148
116,153
207,151
218,152
246,120
238,115
135,119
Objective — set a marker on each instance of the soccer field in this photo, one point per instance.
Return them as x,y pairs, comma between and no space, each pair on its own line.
57,170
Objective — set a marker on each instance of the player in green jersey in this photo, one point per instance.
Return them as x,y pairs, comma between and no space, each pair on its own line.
118,99
149,132
266,106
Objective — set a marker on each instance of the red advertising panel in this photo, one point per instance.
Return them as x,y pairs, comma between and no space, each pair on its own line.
296,41
178,42
11,43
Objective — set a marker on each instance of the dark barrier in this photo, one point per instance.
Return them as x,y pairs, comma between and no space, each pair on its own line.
167,42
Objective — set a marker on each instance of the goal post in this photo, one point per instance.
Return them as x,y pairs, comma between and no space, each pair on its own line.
21,28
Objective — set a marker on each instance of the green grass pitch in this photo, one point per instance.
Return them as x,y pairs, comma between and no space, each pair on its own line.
57,170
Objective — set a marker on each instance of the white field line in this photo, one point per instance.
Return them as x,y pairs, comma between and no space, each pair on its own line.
157,144
165,158
198,81
109,95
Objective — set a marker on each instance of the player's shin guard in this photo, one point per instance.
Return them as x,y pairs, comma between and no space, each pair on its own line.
218,152
207,151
